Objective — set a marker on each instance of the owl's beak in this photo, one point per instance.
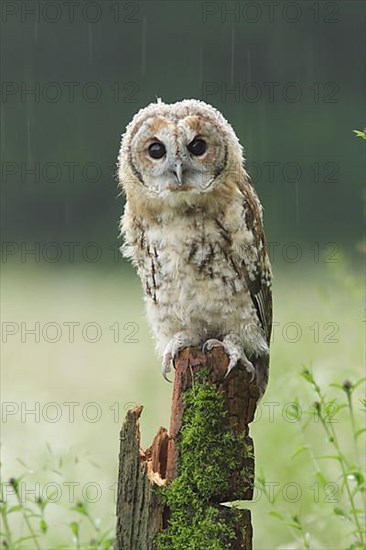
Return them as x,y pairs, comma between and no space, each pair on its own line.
178,172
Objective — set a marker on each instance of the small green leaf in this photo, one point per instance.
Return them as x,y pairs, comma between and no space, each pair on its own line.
24,465
31,513
307,375
29,537
277,515
332,457
357,476
359,432
106,536
108,544
299,451
339,512
360,134
320,477
49,448
43,526
360,381
293,525
41,503
16,508
74,526
80,508
339,386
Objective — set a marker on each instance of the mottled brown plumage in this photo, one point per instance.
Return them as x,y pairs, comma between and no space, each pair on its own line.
193,228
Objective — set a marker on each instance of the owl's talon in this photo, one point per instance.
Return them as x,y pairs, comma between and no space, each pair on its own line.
251,371
179,341
247,364
165,375
211,344
166,378
232,364
235,355
165,367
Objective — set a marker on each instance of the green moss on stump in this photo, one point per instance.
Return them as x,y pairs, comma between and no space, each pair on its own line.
209,454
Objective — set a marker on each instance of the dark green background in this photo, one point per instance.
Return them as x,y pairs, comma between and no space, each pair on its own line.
174,50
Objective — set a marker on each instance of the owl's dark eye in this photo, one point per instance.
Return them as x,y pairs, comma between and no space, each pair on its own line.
197,147
157,150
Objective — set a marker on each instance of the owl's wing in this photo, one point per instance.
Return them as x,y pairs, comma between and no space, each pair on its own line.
255,266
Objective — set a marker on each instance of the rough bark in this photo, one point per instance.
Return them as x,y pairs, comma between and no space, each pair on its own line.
140,512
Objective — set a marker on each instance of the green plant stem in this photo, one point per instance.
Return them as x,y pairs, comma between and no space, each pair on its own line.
309,450
354,429
4,517
293,531
93,523
330,431
7,528
306,542
28,523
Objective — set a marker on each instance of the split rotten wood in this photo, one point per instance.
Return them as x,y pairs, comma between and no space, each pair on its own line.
140,512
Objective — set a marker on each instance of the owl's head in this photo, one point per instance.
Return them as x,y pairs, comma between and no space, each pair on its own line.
183,149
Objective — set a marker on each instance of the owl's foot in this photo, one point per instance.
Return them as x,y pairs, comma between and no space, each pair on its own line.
234,351
179,341
166,365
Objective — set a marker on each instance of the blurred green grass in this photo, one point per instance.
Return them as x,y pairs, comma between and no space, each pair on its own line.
318,324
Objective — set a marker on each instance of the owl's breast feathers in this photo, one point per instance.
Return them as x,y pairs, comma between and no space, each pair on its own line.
200,258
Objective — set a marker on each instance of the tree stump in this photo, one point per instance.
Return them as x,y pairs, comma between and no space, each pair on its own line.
141,513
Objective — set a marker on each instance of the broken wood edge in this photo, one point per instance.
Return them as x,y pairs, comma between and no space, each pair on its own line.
139,509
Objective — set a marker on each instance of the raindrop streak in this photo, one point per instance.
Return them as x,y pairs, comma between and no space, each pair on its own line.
2,128
232,55
249,65
29,148
200,78
309,60
249,76
262,123
297,211
67,211
29,107
90,44
143,46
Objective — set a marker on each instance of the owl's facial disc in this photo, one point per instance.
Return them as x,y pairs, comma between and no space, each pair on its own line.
184,155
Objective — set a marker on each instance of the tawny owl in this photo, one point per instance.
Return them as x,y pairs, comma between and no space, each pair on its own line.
192,227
